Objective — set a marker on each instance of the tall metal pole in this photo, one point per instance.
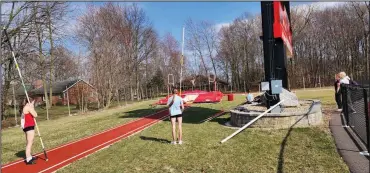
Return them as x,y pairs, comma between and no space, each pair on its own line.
182,56
69,109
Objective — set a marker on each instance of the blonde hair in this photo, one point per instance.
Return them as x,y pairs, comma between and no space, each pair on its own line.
342,74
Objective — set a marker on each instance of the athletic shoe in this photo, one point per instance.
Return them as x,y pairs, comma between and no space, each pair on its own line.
31,162
173,142
339,110
180,142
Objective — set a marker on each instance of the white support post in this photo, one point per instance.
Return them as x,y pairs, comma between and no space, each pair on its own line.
259,88
212,80
69,109
365,153
251,122
170,83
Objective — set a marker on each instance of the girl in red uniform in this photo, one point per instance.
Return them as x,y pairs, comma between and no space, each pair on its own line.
28,125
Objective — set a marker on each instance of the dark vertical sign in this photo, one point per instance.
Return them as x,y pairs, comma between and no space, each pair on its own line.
282,28
277,43
283,40
268,45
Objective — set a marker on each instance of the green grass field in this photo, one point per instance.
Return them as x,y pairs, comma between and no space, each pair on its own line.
55,112
326,95
68,128
253,150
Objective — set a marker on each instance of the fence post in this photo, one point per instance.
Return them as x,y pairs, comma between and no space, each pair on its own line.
367,120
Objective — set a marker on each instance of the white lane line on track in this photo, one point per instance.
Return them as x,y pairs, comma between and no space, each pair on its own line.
117,140
10,164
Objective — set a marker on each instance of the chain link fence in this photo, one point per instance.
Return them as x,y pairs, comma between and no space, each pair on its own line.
355,109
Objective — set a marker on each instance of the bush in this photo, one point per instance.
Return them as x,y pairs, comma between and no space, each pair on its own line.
59,103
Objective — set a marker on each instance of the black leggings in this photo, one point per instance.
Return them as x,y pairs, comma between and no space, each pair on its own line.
338,99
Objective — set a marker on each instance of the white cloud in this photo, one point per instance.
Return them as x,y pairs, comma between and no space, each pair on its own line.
317,6
324,5
299,8
220,25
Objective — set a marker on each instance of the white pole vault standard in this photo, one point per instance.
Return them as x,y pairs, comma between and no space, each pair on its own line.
25,90
251,122
182,56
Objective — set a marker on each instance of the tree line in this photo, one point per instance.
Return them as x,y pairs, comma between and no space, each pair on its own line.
127,59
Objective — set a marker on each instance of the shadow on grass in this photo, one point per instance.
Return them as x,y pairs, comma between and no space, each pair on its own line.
192,115
280,166
138,113
154,139
21,154
221,120
282,147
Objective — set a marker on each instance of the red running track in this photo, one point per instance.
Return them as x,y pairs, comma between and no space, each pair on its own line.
66,154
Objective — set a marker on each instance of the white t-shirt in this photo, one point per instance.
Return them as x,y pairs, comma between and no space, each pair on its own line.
345,80
175,109
250,97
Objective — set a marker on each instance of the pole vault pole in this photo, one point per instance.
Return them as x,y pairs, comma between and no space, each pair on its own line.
251,122
182,56
25,90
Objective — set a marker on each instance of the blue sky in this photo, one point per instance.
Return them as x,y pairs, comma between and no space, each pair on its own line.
171,16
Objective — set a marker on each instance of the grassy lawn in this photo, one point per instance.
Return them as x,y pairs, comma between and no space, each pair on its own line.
325,95
59,131
254,150
55,112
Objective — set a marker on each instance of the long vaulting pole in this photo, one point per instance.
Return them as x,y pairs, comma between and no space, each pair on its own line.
182,56
25,90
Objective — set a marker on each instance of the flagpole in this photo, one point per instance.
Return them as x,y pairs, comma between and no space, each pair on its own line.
182,56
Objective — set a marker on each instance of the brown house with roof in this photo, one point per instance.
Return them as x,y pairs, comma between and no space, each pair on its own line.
72,90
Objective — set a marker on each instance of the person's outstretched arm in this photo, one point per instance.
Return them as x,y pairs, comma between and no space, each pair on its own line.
338,87
182,105
31,109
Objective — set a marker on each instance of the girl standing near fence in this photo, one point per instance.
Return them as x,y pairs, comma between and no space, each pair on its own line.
338,98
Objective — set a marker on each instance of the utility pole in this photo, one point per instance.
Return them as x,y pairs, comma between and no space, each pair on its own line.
182,56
